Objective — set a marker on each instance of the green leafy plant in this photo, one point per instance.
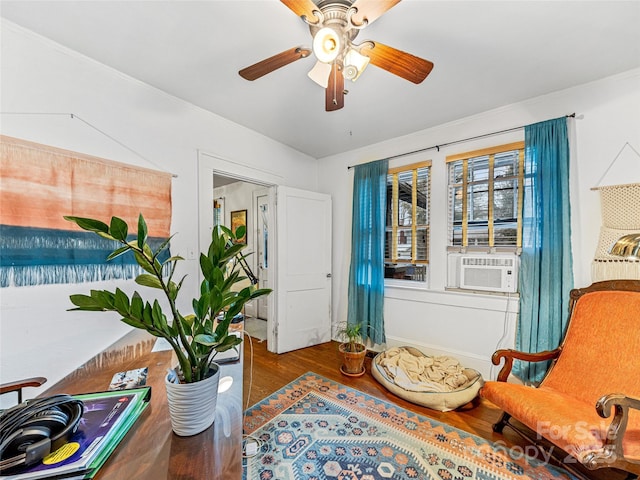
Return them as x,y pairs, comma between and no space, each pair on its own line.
352,336
196,337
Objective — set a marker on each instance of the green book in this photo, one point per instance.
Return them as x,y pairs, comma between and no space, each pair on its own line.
106,419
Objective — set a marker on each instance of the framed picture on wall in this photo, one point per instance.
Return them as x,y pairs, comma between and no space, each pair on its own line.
238,219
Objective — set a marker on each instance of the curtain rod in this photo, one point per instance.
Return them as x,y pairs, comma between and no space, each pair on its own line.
437,147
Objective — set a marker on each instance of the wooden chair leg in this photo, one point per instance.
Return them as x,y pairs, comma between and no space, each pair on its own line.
498,427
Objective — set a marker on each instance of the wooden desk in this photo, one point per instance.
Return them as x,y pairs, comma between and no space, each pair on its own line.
150,450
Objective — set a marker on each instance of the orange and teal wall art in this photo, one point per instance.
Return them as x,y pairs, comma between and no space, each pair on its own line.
39,184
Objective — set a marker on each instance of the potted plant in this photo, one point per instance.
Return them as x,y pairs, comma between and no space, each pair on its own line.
196,337
353,350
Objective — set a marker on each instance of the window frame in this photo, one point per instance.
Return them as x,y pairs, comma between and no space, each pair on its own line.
465,157
414,228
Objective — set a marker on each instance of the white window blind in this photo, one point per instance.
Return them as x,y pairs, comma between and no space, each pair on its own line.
485,198
407,226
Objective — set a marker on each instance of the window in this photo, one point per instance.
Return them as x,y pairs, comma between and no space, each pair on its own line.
485,198
407,226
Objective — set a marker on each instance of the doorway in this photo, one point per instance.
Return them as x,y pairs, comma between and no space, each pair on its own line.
262,250
235,197
291,237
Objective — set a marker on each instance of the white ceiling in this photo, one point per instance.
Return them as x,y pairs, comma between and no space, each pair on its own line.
486,54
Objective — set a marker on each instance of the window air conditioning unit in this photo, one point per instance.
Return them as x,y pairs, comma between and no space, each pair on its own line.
490,272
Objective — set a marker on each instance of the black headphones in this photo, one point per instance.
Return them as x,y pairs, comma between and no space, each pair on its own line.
31,430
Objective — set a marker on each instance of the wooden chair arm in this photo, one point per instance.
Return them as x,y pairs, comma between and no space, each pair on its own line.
510,355
18,385
612,454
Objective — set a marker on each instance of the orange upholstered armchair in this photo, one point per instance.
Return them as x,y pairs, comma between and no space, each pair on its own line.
588,404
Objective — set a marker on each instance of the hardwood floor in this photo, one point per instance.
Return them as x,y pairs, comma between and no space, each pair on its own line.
268,372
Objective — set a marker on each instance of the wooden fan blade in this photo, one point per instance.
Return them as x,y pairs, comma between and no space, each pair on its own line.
270,64
370,10
303,8
334,94
396,61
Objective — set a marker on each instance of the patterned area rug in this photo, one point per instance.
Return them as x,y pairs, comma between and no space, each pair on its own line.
315,428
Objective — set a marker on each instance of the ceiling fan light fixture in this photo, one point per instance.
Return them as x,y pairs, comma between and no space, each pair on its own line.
327,45
354,64
334,25
320,74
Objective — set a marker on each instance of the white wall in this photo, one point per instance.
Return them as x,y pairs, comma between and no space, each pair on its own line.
471,326
136,124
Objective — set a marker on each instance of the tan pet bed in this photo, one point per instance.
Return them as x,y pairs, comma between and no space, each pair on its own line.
440,383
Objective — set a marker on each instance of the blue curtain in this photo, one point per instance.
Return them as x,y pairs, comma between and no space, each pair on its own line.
546,265
366,273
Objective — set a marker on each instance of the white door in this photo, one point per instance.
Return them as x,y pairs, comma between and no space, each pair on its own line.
303,287
262,251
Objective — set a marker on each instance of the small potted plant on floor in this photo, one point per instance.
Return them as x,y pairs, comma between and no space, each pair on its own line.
352,349
196,337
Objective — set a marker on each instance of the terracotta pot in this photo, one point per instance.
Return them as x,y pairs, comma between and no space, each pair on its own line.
353,361
192,406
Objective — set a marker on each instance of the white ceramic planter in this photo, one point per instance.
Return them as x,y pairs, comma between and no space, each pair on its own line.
192,406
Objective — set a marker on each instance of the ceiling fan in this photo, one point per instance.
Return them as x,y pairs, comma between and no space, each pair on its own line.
334,24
